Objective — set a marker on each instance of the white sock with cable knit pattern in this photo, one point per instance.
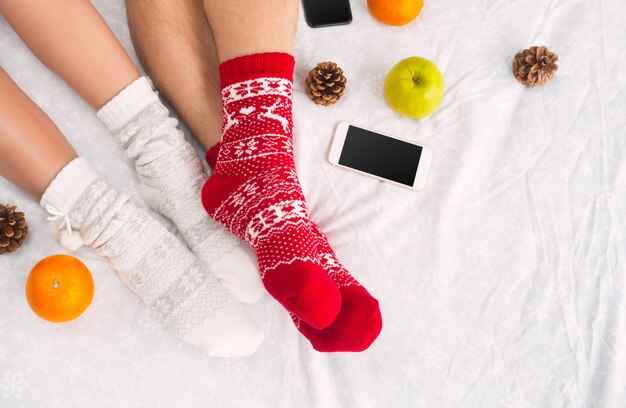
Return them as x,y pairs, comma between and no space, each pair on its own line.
172,175
175,285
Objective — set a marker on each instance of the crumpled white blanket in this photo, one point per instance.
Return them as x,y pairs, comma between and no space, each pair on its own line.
501,285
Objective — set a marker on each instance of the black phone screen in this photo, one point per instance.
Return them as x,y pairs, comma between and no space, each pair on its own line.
321,13
380,155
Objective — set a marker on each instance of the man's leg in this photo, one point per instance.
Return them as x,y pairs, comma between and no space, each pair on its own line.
255,191
176,47
73,40
244,27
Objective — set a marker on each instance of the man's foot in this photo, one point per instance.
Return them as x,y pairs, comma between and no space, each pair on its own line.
255,192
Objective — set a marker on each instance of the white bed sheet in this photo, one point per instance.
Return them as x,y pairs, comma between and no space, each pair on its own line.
501,285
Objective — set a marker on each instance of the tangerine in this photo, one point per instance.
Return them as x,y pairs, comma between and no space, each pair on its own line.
59,288
395,12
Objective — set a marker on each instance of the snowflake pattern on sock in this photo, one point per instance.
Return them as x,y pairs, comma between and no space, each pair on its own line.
255,193
171,177
257,137
173,283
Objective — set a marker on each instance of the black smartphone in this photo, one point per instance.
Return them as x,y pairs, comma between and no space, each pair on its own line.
386,158
324,13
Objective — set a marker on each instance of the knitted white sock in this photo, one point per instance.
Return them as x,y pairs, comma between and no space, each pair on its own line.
172,176
174,284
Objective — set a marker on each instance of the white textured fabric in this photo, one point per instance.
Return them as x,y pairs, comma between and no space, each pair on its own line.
172,176
78,176
501,285
125,106
58,201
174,284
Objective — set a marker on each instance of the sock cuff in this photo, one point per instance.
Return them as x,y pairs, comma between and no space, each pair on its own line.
68,185
120,110
268,64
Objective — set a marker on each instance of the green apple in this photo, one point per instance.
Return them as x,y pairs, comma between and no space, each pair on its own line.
414,87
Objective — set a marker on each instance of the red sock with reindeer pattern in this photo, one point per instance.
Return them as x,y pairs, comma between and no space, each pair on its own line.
258,140
255,193
359,322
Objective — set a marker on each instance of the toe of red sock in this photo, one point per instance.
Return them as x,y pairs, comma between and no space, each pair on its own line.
305,290
355,328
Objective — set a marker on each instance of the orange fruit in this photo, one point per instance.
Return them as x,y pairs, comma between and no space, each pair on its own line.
59,288
395,12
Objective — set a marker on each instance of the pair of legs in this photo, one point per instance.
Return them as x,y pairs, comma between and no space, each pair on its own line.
175,43
174,40
94,64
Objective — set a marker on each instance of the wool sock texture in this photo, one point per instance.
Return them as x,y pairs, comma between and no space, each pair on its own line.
171,176
255,193
359,322
174,284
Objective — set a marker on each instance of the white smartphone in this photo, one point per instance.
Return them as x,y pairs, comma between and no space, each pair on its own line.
386,158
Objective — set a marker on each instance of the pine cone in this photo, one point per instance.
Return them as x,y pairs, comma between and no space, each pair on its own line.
535,66
13,229
325,83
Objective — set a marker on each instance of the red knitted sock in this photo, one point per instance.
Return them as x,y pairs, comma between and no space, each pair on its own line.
255,192
359,322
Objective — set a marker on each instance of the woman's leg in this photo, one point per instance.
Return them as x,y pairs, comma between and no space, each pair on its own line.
72,39
32,148
176,47
150,260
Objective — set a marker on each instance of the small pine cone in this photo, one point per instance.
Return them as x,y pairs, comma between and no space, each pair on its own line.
535,66
325,83
13,229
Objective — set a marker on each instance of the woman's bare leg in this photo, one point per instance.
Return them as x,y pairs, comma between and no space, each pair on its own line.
39,153
32,148
72,39
176,47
